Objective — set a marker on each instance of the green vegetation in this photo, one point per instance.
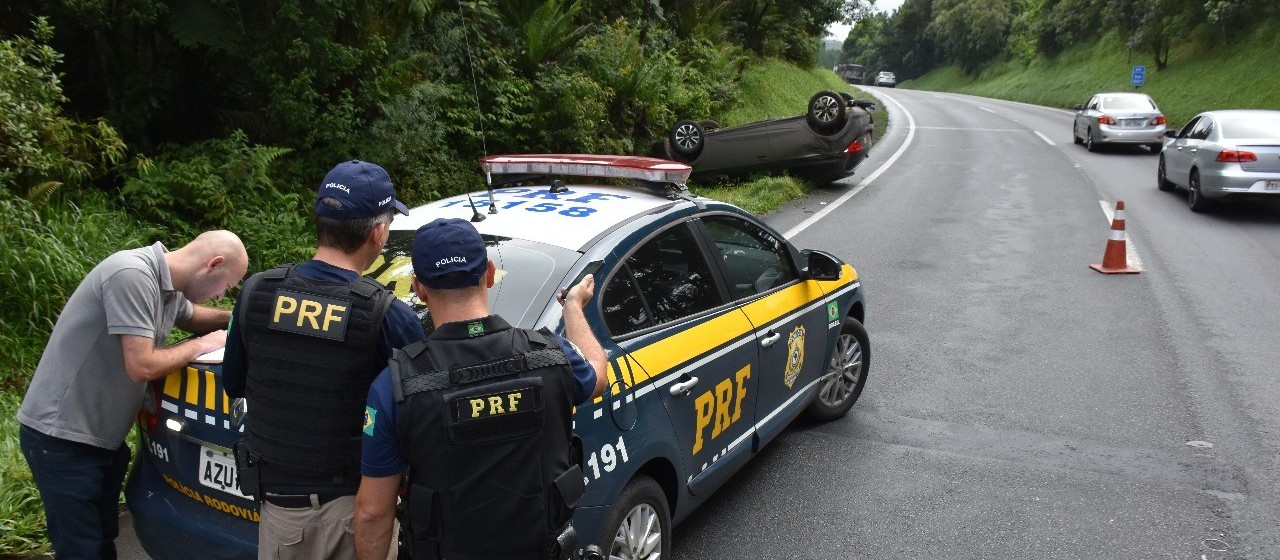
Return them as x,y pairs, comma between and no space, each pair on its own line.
1203,74
21,517
972,35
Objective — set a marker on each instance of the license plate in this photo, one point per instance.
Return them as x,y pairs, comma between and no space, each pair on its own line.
1272,186
218,471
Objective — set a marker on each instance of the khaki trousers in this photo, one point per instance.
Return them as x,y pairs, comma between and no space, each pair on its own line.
326,532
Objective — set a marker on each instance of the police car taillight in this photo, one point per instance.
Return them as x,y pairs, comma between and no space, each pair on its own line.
150,414
583,165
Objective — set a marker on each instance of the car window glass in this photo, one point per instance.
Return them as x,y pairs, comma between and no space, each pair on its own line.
755,260
1186,130
672,276
1127,103
1253,127
1093,104
624,309
1202,129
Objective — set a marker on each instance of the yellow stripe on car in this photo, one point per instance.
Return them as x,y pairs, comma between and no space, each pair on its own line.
667,354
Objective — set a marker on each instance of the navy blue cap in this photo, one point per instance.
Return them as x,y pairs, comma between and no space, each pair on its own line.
357,189
448,254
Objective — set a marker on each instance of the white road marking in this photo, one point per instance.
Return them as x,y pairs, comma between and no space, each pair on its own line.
968,129
1045,138
987,110
1129,250
911,133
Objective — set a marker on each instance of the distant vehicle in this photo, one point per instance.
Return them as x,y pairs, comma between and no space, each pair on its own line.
823,145
1221,155
886,79
1119,118
850,73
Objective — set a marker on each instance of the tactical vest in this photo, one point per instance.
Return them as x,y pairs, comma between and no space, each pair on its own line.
484,424
312,352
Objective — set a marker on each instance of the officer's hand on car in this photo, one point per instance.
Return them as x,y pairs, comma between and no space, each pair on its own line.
579,293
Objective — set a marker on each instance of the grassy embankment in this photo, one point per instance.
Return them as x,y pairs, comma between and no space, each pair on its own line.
1204,73
59,243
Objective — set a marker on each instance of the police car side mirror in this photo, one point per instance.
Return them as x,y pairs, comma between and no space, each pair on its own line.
239,410
823,265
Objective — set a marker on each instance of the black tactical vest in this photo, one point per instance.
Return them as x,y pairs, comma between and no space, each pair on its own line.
312,352
484,424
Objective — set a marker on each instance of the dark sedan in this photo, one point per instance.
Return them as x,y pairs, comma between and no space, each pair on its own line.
823,145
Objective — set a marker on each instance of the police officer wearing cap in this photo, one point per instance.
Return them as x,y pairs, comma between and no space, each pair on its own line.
305,343
479,414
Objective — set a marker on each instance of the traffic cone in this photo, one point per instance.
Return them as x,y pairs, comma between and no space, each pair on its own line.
1114,260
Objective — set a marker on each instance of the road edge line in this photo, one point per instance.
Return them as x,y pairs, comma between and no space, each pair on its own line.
911,133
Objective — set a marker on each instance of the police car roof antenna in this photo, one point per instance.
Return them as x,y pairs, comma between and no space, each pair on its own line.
476,216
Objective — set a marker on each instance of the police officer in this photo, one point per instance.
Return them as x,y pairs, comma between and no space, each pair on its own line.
306,342
479,412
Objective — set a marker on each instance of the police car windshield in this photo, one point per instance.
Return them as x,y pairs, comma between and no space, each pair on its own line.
528,275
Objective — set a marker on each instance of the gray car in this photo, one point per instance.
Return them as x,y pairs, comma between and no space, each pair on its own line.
1119,118
823,145
1223,155
886,79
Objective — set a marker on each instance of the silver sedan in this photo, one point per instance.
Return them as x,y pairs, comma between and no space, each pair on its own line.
1223,154
1119,118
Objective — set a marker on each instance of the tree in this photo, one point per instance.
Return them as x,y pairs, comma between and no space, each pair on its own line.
971,32
41,149
1153,25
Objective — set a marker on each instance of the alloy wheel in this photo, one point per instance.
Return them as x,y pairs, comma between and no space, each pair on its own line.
846,367
825,109
687,137
639,537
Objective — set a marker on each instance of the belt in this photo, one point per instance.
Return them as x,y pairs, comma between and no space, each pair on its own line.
300,501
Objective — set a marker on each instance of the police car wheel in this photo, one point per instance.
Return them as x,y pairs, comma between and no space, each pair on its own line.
847,373
639,523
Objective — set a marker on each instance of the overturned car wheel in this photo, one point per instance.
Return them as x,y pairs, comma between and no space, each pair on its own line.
686,139
826,113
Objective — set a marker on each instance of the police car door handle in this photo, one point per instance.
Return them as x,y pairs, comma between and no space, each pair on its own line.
682,388
770,339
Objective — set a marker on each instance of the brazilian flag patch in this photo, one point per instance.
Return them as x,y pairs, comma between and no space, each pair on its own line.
475,329
370,417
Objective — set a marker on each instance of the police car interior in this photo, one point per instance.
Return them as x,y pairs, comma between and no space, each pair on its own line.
718,333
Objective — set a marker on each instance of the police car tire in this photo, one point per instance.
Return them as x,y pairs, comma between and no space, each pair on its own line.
641,490
824,412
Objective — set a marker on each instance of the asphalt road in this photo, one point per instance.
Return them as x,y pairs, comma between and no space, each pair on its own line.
1021,405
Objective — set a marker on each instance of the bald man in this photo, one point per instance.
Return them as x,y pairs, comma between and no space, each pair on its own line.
108,342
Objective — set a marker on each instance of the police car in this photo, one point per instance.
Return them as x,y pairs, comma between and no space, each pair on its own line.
718,334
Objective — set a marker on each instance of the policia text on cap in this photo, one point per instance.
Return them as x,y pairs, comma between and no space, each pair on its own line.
306,342
478,414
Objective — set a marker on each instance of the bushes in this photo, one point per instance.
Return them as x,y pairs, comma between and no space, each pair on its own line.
40,149
225,183
44,253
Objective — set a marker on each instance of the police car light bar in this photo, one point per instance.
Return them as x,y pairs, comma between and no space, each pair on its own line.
649,169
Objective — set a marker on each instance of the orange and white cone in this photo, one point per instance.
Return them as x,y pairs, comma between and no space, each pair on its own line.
1115,260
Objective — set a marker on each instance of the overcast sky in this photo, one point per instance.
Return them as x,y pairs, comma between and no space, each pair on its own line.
840,30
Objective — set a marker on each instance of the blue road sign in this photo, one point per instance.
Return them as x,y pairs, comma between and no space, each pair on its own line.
1139,75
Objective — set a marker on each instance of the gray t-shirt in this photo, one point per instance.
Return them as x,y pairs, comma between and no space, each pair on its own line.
80,391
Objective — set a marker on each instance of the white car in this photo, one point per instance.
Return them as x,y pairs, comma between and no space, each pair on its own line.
1222,155
886,79
1119,118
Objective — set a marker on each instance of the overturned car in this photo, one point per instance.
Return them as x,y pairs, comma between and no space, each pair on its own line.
823,145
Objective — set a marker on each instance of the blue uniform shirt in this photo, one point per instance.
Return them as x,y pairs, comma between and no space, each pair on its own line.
380,451
400,326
